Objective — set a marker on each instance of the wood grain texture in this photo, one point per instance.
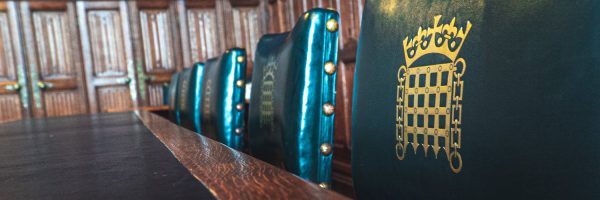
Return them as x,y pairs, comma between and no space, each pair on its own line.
102,156
203,32
227,173
108,55
53,58
10,106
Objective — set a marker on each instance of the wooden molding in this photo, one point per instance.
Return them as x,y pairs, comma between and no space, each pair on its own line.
200,3
48,5
153,4
241,3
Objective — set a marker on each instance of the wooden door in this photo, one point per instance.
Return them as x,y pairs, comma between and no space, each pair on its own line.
14,102
202,30
157,47
108,56
53,58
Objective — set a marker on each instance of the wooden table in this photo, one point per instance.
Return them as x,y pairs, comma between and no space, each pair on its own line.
133,155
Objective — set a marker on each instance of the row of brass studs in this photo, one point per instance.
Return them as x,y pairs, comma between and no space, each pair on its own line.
240,106
328,108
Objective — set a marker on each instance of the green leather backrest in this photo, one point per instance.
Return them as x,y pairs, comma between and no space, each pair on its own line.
222,104
189,94
287,125
165,90
172,94
477,99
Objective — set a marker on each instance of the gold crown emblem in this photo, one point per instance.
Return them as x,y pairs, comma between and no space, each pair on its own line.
444,39
429,95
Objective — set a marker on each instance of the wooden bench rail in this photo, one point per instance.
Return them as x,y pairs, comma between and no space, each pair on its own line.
227,173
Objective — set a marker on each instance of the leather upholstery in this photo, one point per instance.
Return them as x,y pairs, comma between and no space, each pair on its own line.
172,98
188,101
518,94
165,89
289,87
221,94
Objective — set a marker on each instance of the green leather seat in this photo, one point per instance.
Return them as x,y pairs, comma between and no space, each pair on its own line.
475,99
189,96
287,123
222,116
166,94
171,94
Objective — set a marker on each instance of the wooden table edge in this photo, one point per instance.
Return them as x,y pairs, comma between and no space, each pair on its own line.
233,174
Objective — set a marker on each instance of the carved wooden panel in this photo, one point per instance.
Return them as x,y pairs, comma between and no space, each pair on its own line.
204,38
155,92
108,55
54,62
12,90
157,40
10,106
8,71
159,43
248,27
114,99
106,36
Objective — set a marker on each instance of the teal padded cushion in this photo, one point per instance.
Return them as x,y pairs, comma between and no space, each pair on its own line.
221,95
516,114
286,122
172,98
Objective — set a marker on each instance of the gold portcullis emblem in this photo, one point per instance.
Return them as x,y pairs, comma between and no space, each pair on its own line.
429,96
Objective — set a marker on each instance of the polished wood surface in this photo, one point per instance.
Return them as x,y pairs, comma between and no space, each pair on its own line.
228,173
101,156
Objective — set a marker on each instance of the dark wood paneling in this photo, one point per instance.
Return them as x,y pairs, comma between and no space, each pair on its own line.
108,55
53,54
9,96
202,31
245,23
157,47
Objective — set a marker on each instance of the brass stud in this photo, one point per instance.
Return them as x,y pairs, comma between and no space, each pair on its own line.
329,68
239,83
325,149
332,25
238,131
323,185
328,109
239,107
240,59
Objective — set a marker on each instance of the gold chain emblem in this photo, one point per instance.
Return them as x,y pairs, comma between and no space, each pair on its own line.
429,96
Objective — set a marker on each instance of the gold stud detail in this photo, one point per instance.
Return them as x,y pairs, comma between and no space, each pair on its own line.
332,25
323,185
325,149
306,15
240,59
239,83
328,109
329,68
238,131
239,107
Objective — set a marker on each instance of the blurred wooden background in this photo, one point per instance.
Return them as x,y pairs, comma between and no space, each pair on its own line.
65,58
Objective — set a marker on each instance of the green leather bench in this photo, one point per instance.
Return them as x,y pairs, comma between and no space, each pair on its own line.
474,99
293,94
222,104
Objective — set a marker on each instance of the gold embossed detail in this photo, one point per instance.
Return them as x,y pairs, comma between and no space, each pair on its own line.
426,89
266,94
